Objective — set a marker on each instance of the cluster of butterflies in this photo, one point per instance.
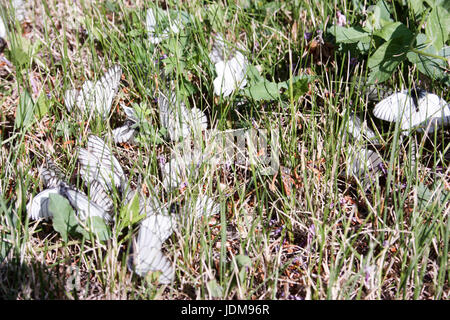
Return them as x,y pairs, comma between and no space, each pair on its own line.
103,174
230,64
414,110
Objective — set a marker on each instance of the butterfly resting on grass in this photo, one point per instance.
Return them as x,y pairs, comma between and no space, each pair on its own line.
98,205
95,97
414,110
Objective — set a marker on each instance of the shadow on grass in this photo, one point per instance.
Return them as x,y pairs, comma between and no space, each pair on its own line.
32,281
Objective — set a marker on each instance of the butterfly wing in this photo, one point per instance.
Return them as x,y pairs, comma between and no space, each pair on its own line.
147,255
395,107
37,207
83,206
70,99
359,129
204,206
105,90
100,197
51,175
366,165
106,161
432,112
124,134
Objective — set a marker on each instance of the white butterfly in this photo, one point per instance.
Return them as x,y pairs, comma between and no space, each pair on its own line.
231,72
19,9
51,175
98,163
127,132
84,207
37,207
95,97
180,121
359,129
426,111
420,110
152,25
204,206
99,205
2,29
365,165
154,230
180,168
98,195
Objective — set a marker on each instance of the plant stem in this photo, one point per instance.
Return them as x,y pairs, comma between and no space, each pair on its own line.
428,54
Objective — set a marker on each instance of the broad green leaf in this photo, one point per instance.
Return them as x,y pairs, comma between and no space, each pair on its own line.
268,90
438,27
64,220
243,261
378,16
436,197
215,290
42,105
349,35
395,30
385,59
264,90
97,226
25,110
417,6
430,66
253,75
300,87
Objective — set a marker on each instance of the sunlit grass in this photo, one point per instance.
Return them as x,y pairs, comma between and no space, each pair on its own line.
310,231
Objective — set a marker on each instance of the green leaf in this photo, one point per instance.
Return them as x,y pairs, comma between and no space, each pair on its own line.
268,90
300,88
350,35
264,90
430,66
253,75
243,261
64,220
438,27
42,104
394,30
215,290
129,214
436,198
25,110
97,226
385,59
378,16
417,6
